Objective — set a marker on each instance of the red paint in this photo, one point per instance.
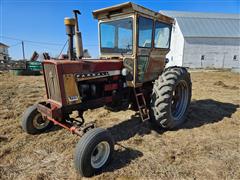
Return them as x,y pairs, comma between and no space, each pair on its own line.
110,87
86,66
45,80
67,126
115,77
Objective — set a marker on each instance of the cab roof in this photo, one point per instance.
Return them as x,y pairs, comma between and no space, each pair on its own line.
126,8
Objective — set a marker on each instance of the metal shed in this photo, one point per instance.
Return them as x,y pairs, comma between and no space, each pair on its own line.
204,40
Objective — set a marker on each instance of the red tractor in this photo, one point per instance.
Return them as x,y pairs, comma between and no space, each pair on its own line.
131,71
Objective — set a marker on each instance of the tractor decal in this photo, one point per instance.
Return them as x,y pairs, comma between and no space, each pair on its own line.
87,76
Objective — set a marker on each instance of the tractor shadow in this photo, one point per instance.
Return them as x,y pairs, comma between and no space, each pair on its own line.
208,111
122,157
53,129
201,112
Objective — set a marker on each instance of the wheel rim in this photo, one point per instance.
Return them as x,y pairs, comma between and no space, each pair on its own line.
180,100
100,154
39,122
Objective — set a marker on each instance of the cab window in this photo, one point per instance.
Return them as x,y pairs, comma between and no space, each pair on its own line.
116,36
162,35
145,27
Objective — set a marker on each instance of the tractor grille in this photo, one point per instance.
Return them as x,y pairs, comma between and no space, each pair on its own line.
52,82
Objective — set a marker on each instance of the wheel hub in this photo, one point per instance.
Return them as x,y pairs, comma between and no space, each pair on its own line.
179,100
39,122
100,154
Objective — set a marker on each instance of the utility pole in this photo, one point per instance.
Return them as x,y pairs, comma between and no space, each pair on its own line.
23,52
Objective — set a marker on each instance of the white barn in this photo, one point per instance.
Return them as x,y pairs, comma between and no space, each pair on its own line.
204,40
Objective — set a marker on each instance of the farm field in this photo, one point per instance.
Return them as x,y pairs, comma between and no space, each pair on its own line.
207,146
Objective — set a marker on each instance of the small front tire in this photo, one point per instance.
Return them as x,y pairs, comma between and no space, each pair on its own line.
33,123
93,152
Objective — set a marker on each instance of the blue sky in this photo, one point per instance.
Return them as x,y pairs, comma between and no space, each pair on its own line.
42,20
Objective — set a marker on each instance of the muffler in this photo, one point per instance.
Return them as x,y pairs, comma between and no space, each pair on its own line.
78,37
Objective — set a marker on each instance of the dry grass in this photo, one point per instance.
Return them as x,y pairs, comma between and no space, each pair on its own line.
207,146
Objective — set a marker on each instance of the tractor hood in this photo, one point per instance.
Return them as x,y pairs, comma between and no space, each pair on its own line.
86,68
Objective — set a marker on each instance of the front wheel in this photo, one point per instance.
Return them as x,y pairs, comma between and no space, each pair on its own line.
33,122
171,97
93,152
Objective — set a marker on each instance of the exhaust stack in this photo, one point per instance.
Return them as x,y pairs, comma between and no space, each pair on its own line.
78,37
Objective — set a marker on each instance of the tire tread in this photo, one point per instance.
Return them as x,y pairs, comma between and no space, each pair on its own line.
161,96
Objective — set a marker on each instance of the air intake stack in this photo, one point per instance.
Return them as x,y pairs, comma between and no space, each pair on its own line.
70,24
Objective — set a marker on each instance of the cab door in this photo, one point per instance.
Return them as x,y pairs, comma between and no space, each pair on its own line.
144,47
161,46
153,41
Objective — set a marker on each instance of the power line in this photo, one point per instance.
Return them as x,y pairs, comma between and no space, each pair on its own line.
38,42
15,44
29,41
43,46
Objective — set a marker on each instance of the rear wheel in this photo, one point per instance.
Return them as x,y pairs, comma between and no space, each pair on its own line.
171,97
93,152
33,123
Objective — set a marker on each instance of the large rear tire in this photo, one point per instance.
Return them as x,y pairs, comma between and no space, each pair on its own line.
93,152
171,97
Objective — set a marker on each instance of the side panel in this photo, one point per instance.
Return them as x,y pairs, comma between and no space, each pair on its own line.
156,64
71,90
52,82
150,64
200,52
175,56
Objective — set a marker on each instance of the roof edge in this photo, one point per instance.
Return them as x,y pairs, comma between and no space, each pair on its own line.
2,44
129,7
192,14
